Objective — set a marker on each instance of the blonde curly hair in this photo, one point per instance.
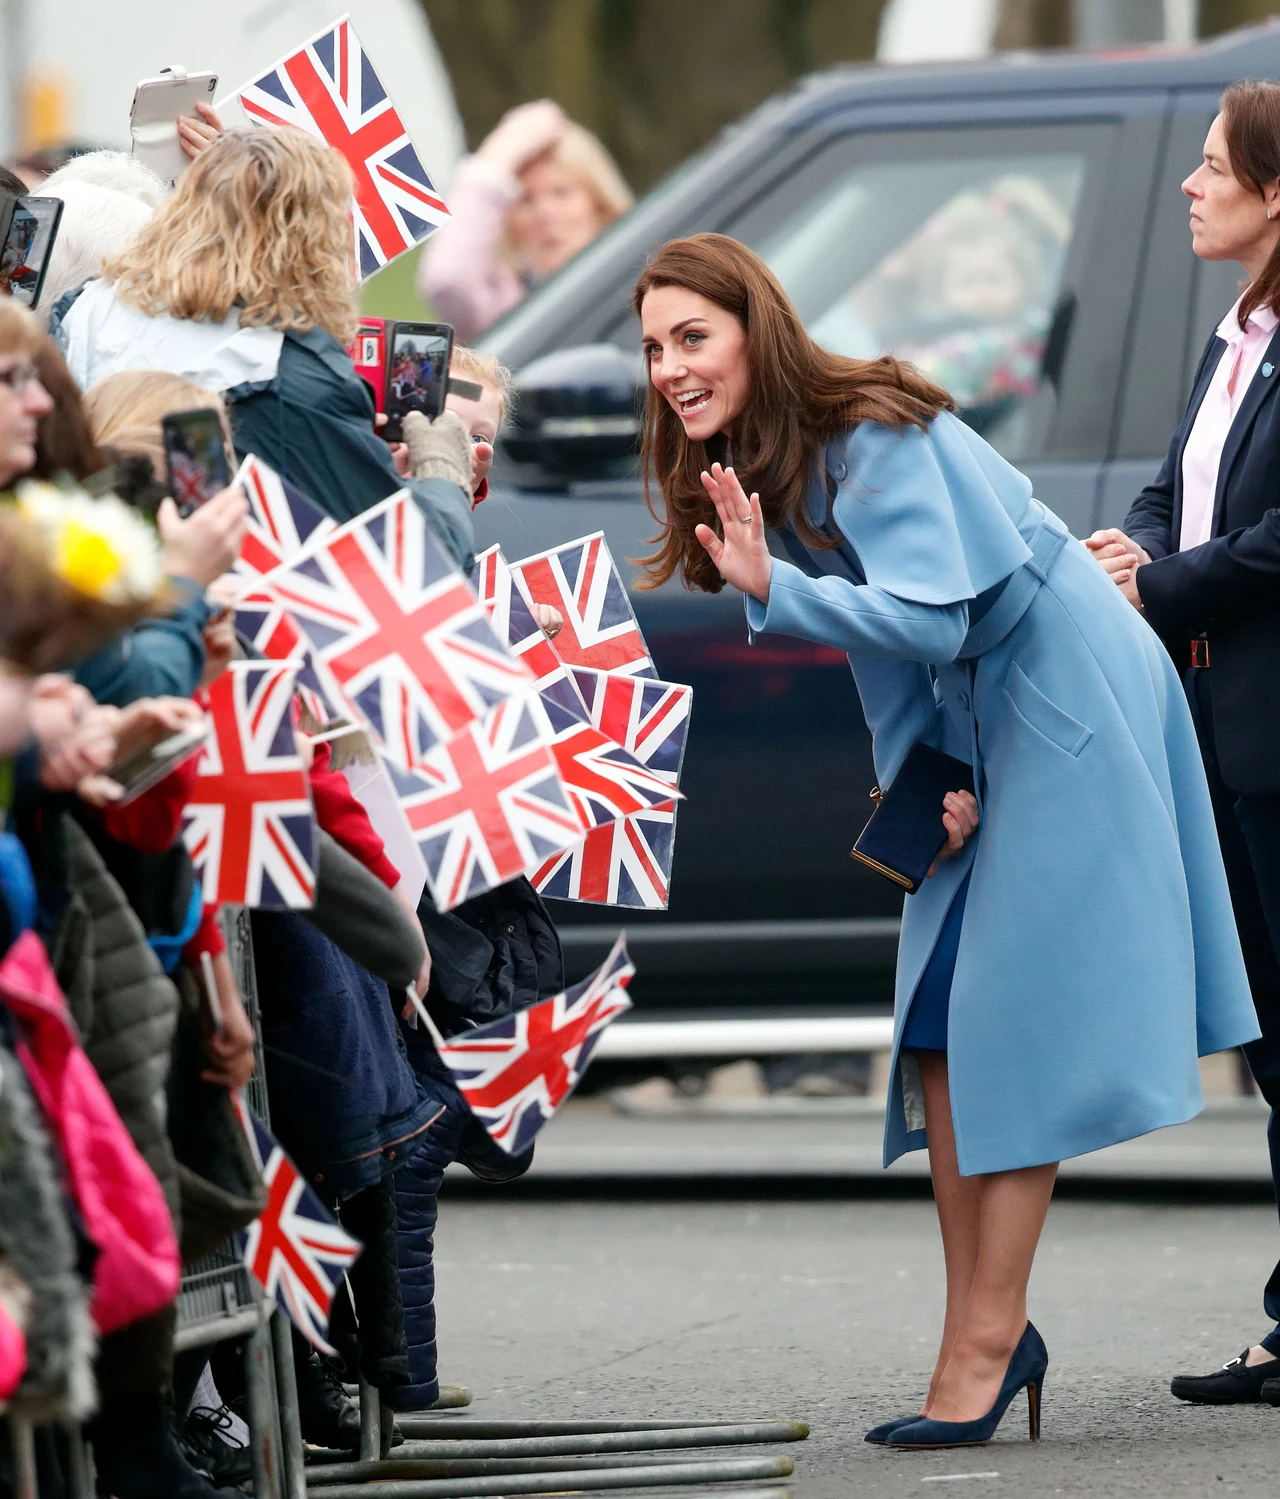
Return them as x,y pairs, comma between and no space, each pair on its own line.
259,221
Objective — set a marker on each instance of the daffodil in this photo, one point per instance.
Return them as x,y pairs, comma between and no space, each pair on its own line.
99,547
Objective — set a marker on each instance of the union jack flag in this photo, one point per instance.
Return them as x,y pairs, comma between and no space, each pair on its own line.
604,781
498,590
329,88
580,580
488,805
281,519
623,863
627,862
249,826
398,637
515,1073
295,1250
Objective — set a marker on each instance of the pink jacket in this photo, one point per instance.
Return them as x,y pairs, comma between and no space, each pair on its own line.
460,272
123,1210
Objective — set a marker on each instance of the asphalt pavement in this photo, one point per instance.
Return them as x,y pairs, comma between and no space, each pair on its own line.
558,1305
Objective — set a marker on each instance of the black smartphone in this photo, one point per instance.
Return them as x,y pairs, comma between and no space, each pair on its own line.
195,455
417,367
30,229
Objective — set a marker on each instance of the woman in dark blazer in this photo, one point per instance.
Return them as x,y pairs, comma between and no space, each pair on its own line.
1199,556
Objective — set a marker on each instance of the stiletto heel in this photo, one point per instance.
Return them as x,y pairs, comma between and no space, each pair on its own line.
1026,1371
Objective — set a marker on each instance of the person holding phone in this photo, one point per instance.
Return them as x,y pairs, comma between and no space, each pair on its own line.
242,283
974,624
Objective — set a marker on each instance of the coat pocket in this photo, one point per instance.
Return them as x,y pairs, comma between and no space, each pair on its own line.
1031,705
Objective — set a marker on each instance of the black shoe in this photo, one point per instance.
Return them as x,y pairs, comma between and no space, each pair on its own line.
1270,1394
209,1446
327,1417
137,1457
1236,1383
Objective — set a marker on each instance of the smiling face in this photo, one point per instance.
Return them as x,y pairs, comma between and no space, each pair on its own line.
1228,217
697,358
482,419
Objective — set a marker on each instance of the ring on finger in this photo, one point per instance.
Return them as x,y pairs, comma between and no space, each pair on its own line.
745,519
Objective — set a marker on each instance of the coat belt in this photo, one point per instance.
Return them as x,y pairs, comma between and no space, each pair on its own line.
1014,595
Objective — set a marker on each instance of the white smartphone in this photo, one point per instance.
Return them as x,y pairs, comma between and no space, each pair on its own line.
153,119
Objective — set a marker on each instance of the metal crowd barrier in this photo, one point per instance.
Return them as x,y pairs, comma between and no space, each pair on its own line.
444,1456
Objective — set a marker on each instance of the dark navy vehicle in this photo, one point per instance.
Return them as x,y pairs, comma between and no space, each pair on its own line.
1016,228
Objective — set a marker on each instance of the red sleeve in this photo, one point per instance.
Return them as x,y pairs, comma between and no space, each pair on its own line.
151,821
208,938
342,815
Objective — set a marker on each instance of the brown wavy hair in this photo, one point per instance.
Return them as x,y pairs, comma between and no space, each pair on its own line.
800,398
1250,113
260,220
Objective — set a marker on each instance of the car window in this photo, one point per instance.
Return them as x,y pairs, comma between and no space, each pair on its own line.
955,266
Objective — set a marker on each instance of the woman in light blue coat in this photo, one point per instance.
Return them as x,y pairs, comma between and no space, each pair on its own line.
975,623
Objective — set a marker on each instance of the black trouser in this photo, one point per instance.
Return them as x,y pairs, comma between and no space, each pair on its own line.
1249,832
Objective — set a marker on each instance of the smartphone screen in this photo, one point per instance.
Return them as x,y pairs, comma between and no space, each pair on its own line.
24,256
417,372
195,451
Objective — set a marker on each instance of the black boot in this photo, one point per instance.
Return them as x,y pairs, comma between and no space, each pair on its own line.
206,1440
137,1455
328,1418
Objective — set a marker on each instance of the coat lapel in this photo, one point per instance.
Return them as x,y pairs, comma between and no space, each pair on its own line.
1260,389
1193,410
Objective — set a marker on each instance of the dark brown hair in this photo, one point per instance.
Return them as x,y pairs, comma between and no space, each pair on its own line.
1250,113
64,442
800,398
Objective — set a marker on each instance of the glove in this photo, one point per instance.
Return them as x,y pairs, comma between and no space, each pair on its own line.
439,449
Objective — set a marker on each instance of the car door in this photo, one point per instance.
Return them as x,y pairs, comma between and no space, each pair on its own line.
999,254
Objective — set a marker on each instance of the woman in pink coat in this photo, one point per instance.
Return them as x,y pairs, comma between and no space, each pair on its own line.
539,190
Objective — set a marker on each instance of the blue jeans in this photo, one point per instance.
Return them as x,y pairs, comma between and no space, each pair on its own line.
1249,832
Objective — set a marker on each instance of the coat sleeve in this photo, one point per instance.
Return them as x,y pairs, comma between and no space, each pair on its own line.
858,619
1226,579
157,658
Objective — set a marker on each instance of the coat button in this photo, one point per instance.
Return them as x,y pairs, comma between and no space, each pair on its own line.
319,1176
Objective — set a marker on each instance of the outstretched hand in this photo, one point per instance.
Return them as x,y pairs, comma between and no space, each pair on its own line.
742,559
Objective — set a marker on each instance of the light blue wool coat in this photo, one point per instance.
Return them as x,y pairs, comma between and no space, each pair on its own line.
1098,955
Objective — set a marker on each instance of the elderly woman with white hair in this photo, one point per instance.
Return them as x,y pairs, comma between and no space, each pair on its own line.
98,223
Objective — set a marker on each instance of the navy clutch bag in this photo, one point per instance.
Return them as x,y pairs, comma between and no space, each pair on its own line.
905,832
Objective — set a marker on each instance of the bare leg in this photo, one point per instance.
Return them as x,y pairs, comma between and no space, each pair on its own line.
959,1200
1011,1216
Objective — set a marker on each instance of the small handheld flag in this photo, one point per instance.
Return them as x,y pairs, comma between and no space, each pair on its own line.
249,825
515,1073
329,88
295,1249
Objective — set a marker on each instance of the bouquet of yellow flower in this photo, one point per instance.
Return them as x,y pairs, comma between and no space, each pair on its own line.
74,571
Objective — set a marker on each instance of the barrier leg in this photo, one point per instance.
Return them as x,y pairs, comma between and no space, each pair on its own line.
586,1444
356,1472
79,1465
264,1421
293,1478
24,1459
467,1426
658,1475
370,1422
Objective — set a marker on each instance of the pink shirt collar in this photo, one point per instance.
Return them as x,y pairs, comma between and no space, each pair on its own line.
1260,320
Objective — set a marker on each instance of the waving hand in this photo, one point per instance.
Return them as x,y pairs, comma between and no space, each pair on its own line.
742,558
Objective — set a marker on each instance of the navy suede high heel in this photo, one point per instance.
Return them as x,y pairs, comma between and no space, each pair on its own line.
879,1434
1026,1371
